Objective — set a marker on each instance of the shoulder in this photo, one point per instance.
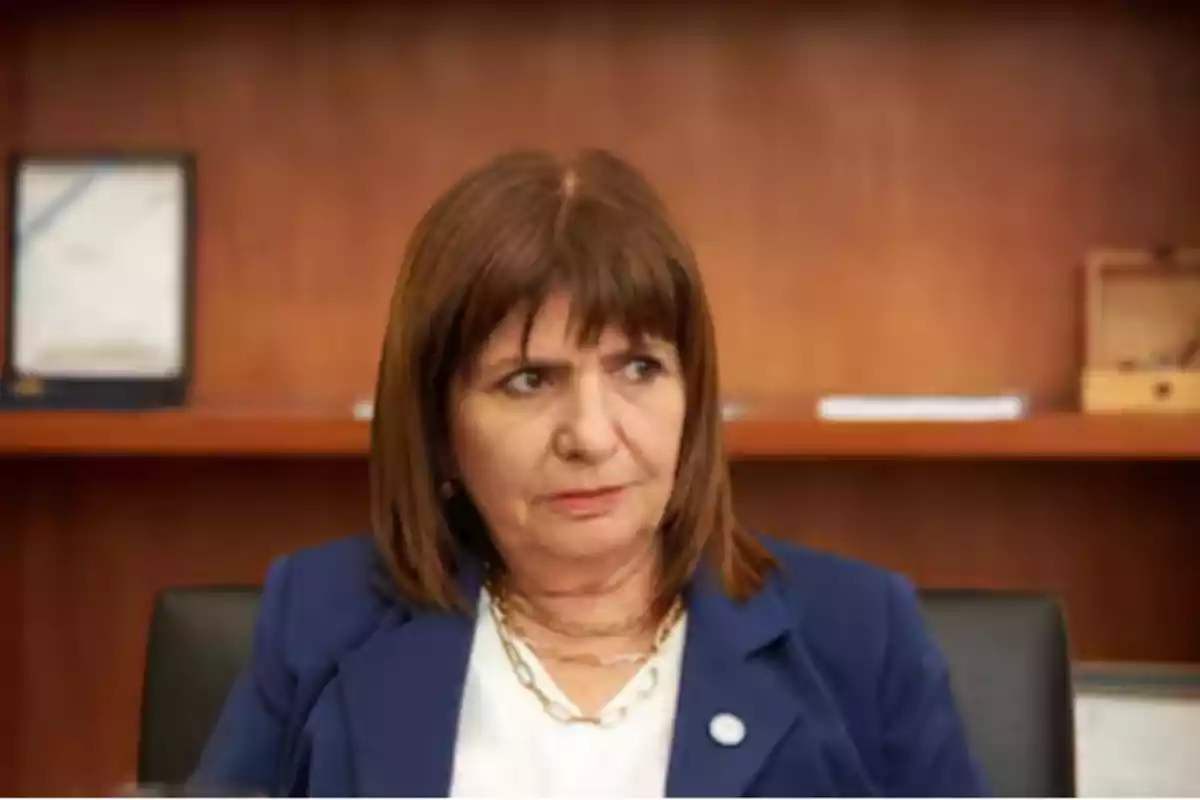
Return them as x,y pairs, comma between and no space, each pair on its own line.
341,566
322,599
863,631
824,586
850,614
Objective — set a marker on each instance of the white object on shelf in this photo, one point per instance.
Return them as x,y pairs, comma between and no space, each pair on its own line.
921,408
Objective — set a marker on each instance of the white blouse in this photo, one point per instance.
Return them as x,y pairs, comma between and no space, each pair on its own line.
508,746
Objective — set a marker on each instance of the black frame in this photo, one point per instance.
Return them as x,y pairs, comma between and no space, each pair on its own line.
19,391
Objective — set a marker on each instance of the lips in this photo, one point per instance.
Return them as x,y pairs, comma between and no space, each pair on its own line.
588,502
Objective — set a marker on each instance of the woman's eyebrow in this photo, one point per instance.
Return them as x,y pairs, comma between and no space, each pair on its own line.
502,363
512,362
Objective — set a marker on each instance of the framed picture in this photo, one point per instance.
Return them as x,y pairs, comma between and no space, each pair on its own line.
101,280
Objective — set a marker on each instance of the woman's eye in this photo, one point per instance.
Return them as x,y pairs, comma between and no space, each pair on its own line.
525,381
642,368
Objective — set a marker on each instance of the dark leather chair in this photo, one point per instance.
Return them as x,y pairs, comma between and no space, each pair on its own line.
200,638
1007,652
1011,671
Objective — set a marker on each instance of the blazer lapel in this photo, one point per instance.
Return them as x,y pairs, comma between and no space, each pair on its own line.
402,692
738,698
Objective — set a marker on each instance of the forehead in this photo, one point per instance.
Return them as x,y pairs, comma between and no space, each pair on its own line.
555,325
581,276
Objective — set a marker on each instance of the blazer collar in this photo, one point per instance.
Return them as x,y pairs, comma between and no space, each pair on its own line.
730,675
403,691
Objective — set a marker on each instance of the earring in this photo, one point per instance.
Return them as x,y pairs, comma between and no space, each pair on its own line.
447,488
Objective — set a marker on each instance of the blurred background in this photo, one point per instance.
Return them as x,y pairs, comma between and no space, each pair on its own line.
885,197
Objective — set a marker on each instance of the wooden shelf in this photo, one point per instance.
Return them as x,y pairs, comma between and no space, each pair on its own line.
184,432
1050,436
213,432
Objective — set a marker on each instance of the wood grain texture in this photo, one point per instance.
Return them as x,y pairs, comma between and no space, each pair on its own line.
9,113
1071,437
891,198
884,197
1115,541
14,528
282,432
188,432
100,537
11,528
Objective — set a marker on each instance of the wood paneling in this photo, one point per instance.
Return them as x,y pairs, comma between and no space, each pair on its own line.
884,197
8,123
283,432
1116,541
14,530
11,529
100,538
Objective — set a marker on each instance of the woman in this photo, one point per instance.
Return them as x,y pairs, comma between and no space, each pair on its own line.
556,599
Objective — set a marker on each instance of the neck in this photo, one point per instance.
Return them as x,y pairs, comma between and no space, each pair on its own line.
597,592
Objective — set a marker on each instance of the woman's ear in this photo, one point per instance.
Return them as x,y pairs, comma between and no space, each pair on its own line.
448,479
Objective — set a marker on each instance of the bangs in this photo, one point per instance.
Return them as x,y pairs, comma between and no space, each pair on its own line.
614,272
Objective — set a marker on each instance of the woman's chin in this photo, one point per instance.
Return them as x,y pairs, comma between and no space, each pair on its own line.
594,538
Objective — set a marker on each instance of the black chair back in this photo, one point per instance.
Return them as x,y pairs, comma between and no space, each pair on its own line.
1007,653
1011,671
200,638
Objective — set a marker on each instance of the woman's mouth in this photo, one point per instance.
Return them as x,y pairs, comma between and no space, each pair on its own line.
585,503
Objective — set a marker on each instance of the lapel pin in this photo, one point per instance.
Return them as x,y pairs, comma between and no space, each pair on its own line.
727,730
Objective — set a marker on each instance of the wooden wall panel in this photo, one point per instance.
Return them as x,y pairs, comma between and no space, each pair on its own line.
14,529
888,198
884,197
1116,542
105,535
10,526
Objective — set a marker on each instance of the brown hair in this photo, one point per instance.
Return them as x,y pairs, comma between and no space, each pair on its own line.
501,239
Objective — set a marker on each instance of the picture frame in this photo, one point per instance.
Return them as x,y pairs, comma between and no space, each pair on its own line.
100,281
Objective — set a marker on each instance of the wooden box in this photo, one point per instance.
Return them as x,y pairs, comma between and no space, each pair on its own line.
1142,331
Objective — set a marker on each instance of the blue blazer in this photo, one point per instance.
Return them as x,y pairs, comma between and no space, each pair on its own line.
841,689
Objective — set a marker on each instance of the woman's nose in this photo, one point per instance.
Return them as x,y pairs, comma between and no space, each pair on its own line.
589,431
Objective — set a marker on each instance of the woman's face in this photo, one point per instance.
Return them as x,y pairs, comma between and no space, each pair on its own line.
570,454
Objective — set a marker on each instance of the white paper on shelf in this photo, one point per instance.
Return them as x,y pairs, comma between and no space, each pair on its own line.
933,408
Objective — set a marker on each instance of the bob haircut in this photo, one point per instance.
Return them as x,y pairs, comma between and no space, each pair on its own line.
498,242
